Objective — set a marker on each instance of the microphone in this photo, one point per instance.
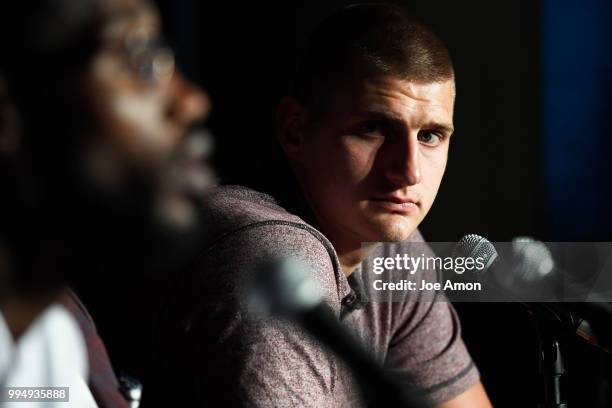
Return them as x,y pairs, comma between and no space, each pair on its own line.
283,287
592,318
550,360
530,270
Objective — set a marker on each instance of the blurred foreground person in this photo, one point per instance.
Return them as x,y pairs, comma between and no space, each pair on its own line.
96,175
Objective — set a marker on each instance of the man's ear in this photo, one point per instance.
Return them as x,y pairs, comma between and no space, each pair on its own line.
291,121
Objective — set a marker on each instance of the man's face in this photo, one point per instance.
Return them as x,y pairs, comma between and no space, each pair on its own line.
142,106
372,164
119,169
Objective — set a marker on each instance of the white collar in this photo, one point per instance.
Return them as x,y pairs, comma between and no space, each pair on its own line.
51,353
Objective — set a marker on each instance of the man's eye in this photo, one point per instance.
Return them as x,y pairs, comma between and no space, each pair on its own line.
430,138
369,128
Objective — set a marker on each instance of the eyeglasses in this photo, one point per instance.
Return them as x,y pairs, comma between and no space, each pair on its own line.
150,57
147,55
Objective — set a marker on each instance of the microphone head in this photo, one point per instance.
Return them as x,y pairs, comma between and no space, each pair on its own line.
283,286
475,246
531,259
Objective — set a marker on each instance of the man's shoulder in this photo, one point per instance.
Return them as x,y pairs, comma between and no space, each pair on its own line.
240,219
231,208
245,227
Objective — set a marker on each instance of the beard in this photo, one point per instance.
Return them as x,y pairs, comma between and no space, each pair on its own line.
66,226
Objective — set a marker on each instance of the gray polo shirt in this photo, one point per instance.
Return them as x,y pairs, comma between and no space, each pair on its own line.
212,347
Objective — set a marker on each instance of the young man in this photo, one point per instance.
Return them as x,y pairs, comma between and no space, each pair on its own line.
366,135
92,120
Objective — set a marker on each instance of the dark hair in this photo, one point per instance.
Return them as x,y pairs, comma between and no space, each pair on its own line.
377,38
46,45
41,35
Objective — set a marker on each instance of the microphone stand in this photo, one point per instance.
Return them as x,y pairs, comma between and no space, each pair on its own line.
283,287
550,359
380,387
552,371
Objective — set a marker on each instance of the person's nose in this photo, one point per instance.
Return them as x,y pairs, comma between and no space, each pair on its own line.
404,167
187,104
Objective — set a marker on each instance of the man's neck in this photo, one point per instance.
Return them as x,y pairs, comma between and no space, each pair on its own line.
350,250
351,256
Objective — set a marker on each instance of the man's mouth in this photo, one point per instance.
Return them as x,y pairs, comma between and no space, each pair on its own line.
393,203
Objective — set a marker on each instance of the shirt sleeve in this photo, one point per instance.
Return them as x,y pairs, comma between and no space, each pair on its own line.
427,346
103,383
234,357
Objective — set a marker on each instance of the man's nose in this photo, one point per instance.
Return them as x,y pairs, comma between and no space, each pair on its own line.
187,104
404,167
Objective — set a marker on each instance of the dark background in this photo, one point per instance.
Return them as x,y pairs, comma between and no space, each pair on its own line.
530,155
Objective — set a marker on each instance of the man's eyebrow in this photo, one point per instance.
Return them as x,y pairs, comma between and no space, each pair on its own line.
387,115
380,114
445,127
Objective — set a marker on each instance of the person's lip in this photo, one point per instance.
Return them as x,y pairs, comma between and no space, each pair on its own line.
397,203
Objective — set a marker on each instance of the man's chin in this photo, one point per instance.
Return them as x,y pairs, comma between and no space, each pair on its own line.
394,229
